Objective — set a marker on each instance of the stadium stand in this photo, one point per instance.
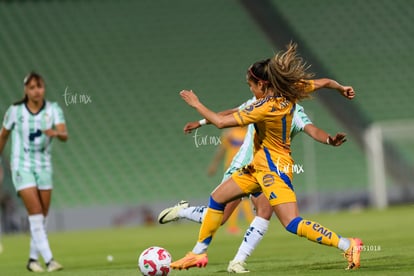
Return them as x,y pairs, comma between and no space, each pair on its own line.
131,58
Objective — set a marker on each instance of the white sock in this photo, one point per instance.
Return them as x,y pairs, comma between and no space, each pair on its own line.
34,253
39,237
344,243
193,213
252,237
200,248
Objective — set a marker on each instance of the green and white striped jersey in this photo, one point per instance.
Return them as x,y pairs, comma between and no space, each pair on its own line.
31,148
300,120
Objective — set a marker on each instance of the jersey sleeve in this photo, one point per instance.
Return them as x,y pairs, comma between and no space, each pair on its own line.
251,113
308,86
57,113
300,120
247,103
9,118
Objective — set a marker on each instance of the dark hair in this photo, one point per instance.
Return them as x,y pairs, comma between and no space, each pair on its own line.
29,77
257,72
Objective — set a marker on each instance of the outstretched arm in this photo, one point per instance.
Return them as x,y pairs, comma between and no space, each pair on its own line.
346,91
219,120
190,126
321,136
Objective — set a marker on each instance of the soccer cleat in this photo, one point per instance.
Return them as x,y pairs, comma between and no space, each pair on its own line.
237,267
54,266
190,260
171,213
34,266
353,253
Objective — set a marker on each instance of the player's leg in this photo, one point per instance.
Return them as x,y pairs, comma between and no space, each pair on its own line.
45,186
278,189
243,206
183,210
232,225
25,185
232,209
228,210
39,242
192,213
246,206
225,192
254,233
45,203
288,215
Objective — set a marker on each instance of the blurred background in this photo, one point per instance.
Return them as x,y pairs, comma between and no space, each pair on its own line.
116,68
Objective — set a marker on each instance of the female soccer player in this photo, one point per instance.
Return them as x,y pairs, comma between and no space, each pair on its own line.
34,122
277,83
258,227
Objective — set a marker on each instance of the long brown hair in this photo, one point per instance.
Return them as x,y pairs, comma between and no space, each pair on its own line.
286,72
29,77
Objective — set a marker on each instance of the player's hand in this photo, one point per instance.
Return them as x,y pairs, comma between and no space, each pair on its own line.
50,132
337,140
189,97
347,92
191,126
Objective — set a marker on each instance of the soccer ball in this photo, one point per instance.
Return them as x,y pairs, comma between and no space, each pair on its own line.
154,261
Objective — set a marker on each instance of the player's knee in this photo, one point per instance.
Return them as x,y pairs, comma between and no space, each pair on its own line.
293,225
216,205
262,206
265,212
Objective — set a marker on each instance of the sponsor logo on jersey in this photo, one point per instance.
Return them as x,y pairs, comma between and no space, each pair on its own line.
268,180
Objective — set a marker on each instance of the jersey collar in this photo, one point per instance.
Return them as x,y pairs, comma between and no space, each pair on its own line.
43,106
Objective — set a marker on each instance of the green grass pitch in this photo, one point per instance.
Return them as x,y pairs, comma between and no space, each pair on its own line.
387,235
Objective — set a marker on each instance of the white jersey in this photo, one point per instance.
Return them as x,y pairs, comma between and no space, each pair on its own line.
31,148
245,154
299,121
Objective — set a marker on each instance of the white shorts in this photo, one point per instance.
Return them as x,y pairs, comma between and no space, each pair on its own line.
23,179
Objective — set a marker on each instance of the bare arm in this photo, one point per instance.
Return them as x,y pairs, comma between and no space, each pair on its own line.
4,136
228,111
321,136
217,119
190,126
346,91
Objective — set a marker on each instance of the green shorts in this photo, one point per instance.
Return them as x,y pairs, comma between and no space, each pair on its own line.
25,179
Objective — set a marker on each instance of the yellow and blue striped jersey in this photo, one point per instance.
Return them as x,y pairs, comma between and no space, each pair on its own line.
272,118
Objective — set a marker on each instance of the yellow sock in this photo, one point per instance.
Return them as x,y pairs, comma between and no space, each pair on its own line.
210,225
315,232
